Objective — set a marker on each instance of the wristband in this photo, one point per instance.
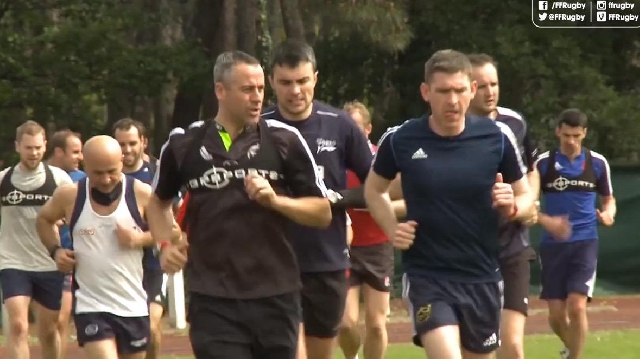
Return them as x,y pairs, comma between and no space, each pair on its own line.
163,244
53,251
515,211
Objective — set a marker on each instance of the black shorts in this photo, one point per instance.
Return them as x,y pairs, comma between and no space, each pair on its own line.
153,282
473,307
372,265
131,333
516,274
323,299
568,267
222,328
43,287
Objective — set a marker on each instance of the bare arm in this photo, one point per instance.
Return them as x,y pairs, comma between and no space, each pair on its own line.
524,200
379,204
609,205
308,211
534,183
53,211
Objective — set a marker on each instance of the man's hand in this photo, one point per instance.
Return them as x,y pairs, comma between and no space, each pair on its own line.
128,237
605,218
259,189
65,260
503,198
404,235
173,257
559,227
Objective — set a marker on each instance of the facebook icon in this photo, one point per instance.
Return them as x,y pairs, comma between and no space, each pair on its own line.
542,5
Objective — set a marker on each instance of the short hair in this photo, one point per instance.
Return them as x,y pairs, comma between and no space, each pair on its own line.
478,60
60,138
125,124
31,128
572,117
291,53
357,106
446,61
226,61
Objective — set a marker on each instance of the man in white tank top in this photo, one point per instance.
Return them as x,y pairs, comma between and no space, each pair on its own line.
105,213
26,269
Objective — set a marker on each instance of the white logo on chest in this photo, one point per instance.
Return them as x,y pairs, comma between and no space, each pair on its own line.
326,145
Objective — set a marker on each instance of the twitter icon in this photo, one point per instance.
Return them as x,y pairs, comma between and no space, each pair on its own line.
542,16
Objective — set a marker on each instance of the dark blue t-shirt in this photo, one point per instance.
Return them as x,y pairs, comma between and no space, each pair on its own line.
145,174
447,184
65,235
337,145
568,198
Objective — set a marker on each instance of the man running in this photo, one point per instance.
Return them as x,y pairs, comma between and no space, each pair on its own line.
105,213
239,170
371,270
516,252
571,177
26,270
130,135
455,170
66,154
337,145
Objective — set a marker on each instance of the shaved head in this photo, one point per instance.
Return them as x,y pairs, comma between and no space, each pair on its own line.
103,162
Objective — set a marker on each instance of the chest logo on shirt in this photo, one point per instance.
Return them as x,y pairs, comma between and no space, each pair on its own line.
86,232
253,150
217,177
561,184
326,145
15,197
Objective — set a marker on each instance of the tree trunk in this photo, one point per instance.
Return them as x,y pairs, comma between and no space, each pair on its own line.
292,19
247,26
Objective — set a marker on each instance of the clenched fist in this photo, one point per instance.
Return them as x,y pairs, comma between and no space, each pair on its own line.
404,235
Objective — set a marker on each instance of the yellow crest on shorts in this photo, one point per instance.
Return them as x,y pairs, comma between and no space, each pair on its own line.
424,313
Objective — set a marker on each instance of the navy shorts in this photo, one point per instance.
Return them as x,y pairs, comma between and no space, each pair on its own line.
43,287
568,267
473,307
131,333
153,282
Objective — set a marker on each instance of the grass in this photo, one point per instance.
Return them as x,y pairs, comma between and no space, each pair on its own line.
612,344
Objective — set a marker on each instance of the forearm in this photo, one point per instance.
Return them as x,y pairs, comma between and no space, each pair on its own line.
48,233
534,183
525,203
381,209
349,235
399,208
160,219
610,207
308,211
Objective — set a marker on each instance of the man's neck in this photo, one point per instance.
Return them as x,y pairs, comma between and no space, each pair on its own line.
572,155
233,128
445,131
54,163
136,167
492,115
24,168
296,117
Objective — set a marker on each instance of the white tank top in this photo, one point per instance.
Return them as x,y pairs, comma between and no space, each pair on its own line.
108,276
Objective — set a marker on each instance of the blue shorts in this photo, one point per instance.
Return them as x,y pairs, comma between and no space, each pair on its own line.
130,333
568,267
43,287
473,307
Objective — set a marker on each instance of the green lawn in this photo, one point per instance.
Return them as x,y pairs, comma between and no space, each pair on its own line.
600,345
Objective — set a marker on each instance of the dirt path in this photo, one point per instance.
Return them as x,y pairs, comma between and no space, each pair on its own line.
613,313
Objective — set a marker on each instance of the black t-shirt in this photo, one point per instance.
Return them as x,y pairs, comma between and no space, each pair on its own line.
237,248
447,184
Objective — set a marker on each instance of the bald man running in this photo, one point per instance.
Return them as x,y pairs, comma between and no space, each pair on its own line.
105,213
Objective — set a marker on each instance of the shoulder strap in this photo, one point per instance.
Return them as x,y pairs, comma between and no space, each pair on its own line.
132,203
6,181
81,198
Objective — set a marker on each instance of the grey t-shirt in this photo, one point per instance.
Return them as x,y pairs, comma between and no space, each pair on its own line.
20,245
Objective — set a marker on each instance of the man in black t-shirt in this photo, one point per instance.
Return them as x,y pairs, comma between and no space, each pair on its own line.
247,178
